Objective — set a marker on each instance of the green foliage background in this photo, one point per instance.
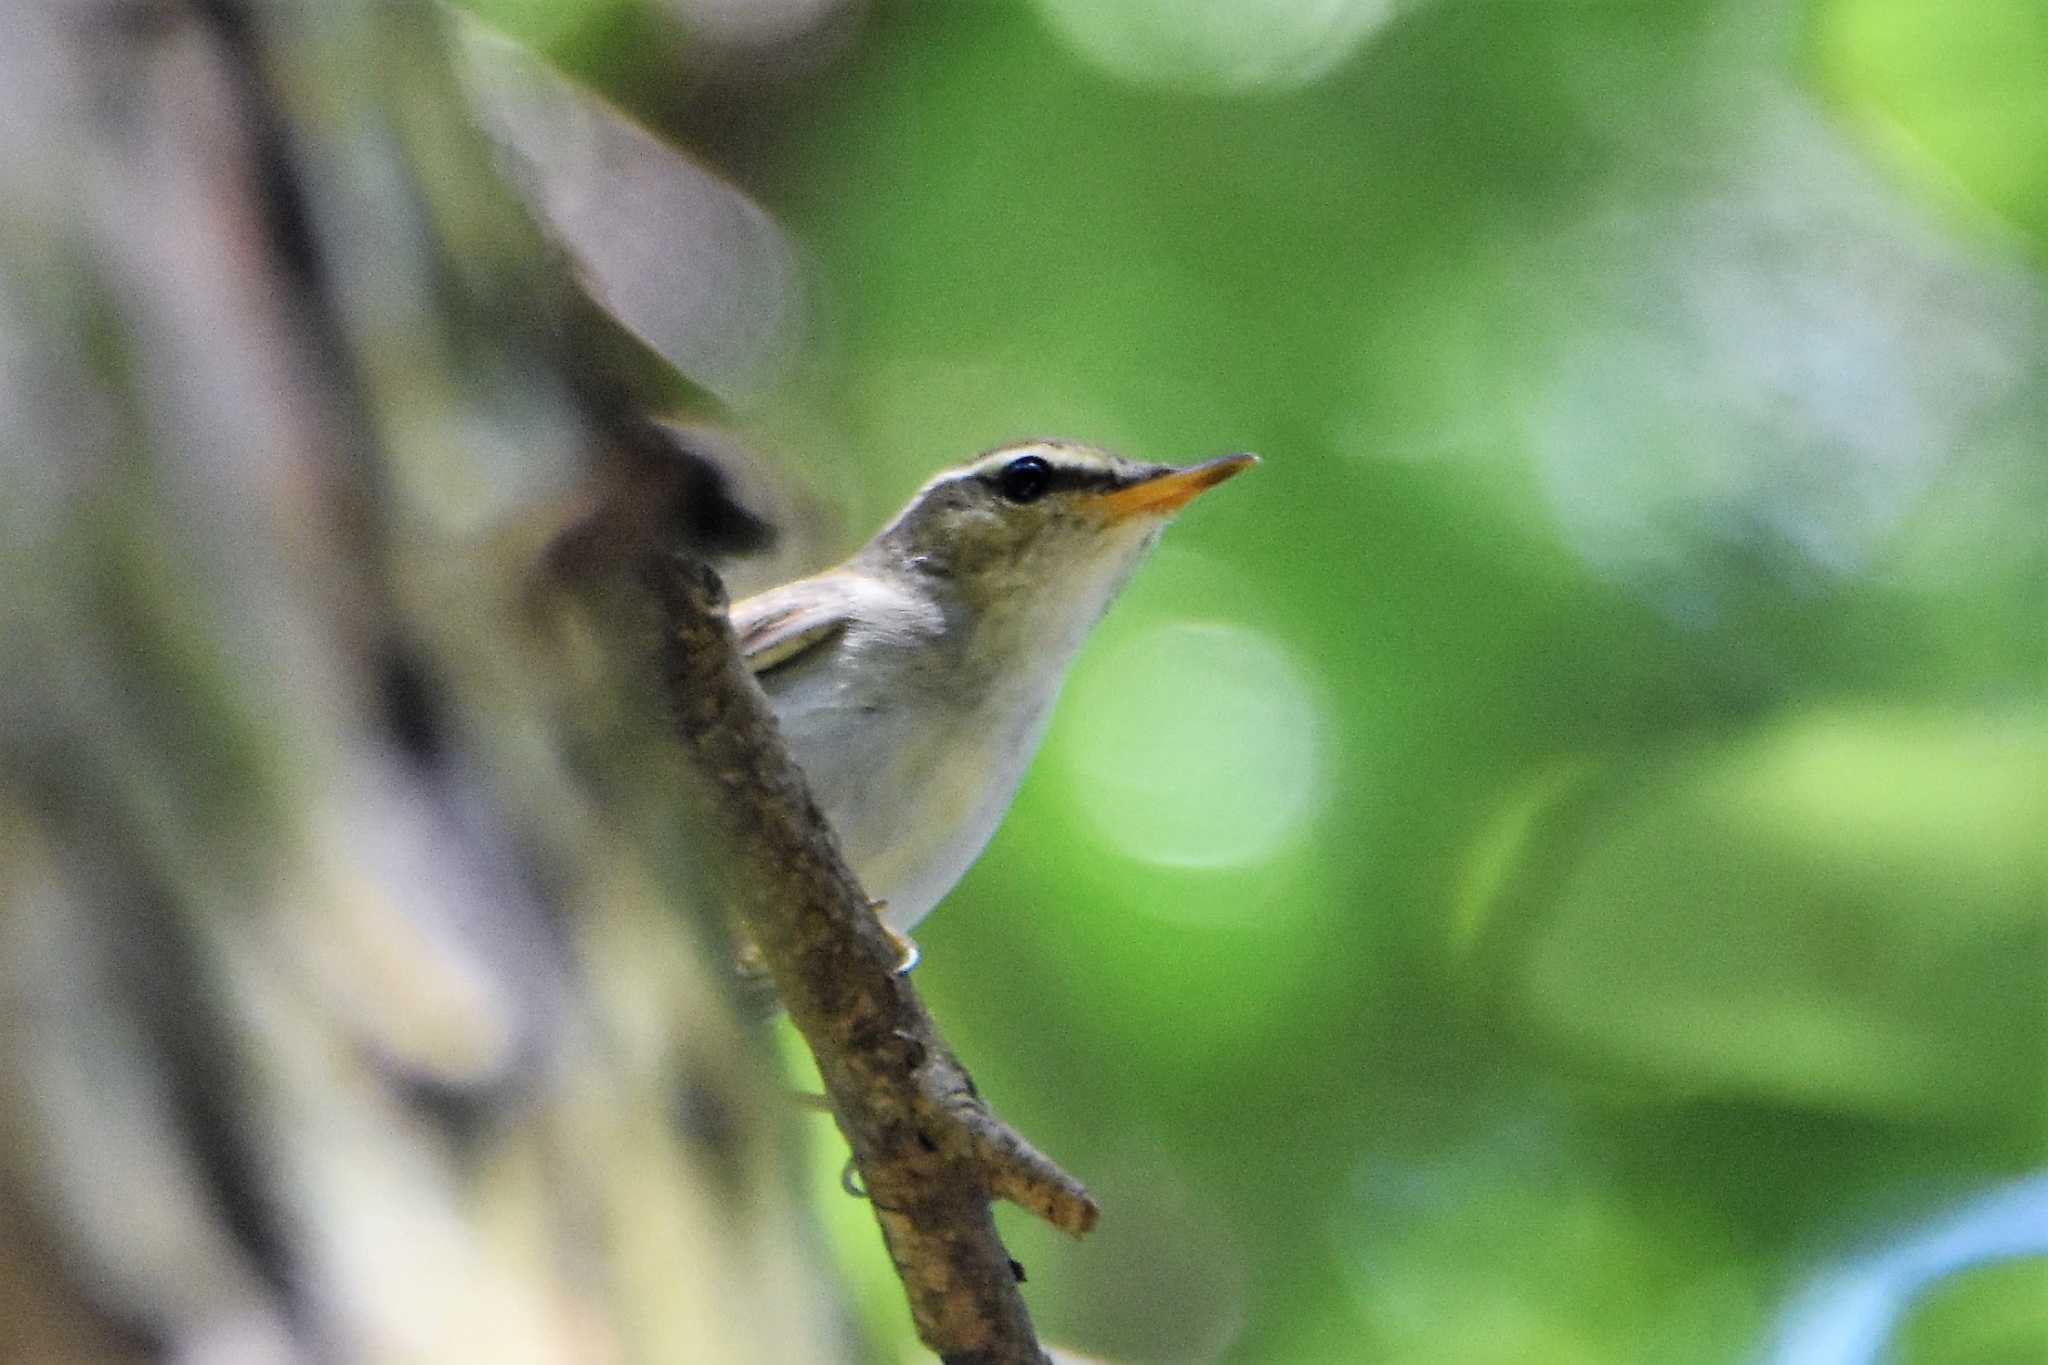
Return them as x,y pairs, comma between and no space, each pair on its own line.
1650,549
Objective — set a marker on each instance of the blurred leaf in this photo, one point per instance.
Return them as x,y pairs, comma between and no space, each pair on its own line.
1994,1315
1748,388
1956,92
686,262
1518,1244
1217,45
1842,911
540,22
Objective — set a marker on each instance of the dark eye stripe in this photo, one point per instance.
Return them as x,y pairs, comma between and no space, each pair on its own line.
1066,478
1076,478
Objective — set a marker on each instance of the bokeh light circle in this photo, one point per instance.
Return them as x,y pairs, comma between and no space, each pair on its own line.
1216,46
1756,388
1195,745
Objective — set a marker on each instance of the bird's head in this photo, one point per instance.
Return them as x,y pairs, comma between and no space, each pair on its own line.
1039,514
1042,533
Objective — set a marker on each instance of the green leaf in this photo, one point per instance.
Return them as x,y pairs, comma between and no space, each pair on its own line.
1956,92
1841,911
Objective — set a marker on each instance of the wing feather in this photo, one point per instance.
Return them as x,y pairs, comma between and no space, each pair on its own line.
781,625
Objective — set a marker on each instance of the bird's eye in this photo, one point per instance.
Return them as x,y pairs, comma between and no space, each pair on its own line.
1024,479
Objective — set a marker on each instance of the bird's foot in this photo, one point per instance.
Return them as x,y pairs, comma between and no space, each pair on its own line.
907,951
751,966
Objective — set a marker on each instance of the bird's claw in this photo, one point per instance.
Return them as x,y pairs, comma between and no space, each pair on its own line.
907,951
751,966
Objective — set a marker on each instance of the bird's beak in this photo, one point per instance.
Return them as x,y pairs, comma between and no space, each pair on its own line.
1169,492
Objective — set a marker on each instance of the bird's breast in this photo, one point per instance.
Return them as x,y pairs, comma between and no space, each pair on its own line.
914,779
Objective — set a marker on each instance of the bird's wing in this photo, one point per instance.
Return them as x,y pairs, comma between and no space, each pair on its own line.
782,624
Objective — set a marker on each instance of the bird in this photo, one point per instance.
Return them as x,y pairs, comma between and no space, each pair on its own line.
913,682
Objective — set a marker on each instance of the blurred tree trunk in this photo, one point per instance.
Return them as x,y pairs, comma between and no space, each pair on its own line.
347,1009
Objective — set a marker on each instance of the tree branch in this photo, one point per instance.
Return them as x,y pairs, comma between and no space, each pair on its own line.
930,1153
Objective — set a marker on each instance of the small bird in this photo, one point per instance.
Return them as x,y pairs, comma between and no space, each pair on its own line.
914,681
